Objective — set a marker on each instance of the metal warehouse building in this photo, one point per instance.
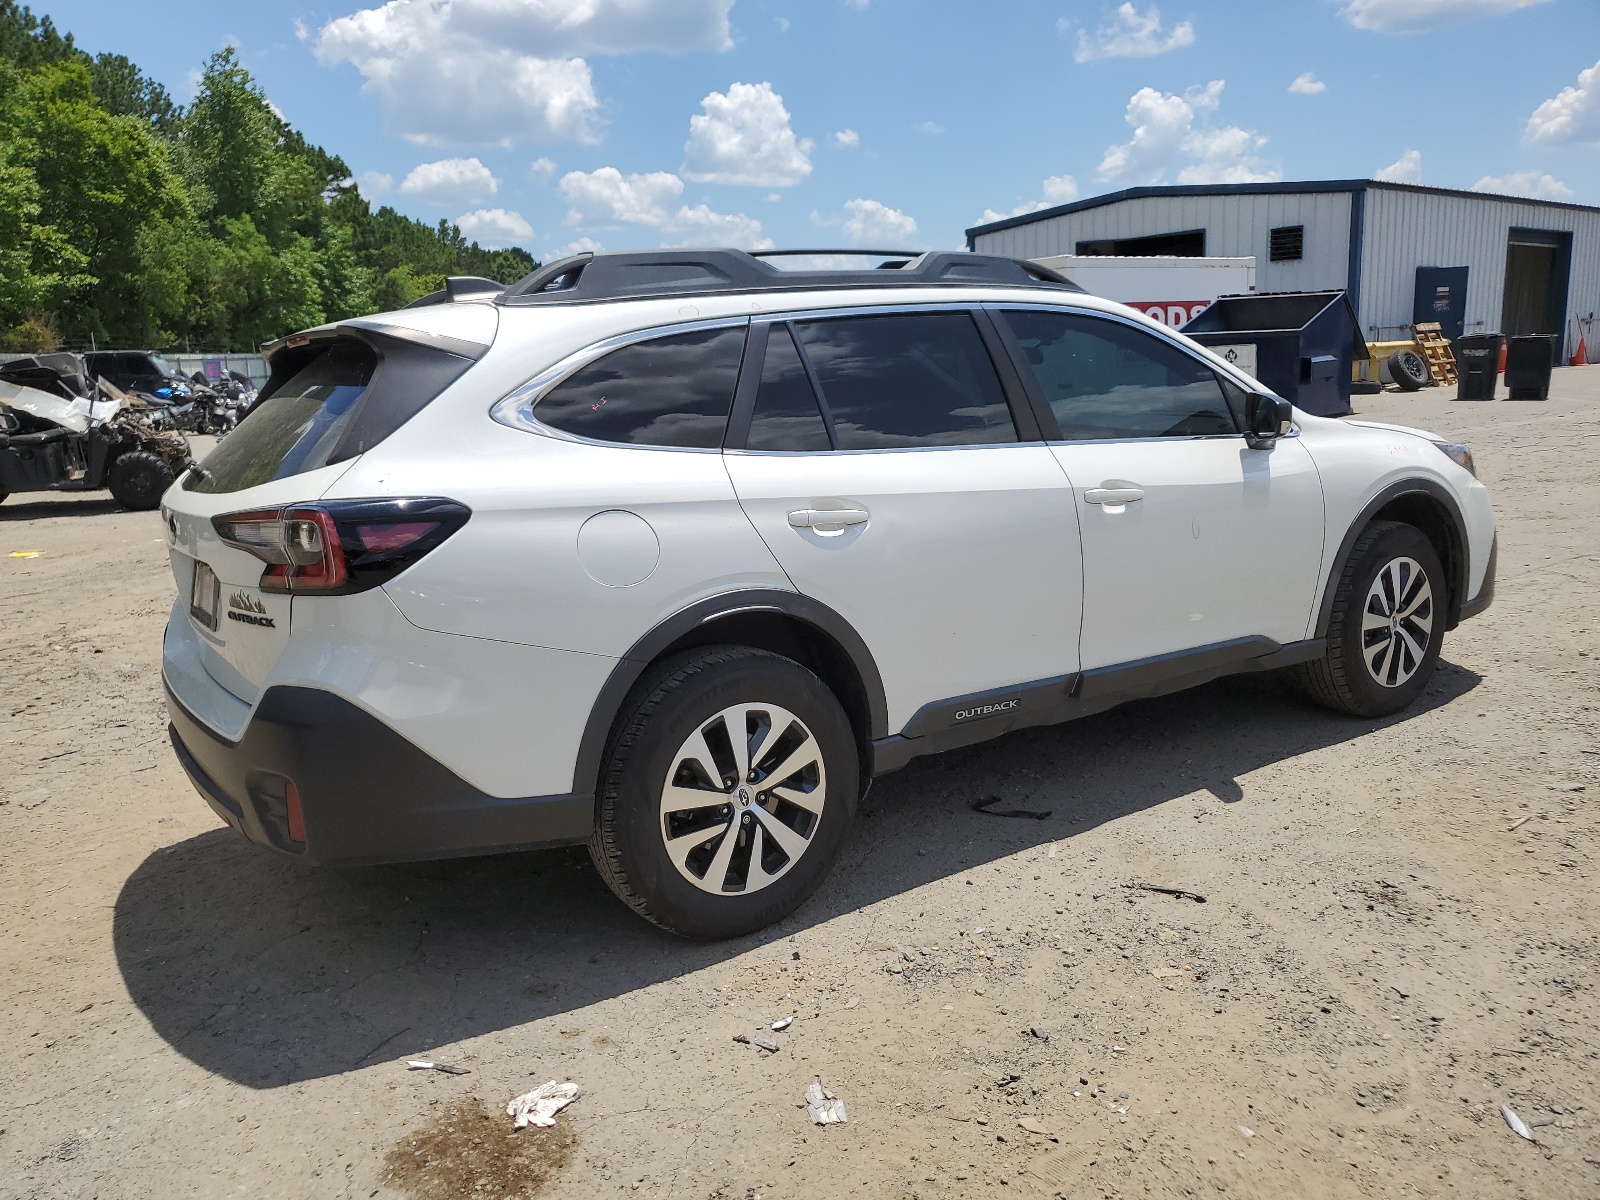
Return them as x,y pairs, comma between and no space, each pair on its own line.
1472,261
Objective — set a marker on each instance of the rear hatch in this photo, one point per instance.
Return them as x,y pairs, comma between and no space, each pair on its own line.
334,394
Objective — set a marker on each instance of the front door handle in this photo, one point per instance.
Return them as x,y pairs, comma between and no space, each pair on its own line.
827,518
1113,495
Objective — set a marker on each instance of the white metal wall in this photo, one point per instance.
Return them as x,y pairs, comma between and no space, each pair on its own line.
1234,225
1407,230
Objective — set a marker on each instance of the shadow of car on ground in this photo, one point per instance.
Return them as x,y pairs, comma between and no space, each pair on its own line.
269,973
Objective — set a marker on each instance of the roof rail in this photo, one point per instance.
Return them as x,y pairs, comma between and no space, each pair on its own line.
633,275
459,287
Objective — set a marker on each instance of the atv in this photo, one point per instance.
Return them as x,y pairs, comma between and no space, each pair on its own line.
60,431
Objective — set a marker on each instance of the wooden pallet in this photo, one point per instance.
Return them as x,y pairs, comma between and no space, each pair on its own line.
1435,351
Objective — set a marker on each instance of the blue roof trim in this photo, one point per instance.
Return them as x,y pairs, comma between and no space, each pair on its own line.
1256,189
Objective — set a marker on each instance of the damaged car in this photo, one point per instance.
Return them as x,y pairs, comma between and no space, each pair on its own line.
60,431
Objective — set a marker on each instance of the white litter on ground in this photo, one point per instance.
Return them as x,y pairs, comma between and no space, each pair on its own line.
825,1107
540,1106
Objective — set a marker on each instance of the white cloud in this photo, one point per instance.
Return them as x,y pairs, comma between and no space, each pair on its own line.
743,137
700,226
1572,116
1525,183
1164,134
1226,155
870,221
607,197
1405,169
494,228
1058,189
1408,16
1308,85
583,245
847,139
543,169
506,71
929,127
450,181
373,184
782,24
1130,34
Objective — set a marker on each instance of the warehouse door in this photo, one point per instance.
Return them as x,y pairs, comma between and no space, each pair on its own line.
1537,265
1441,296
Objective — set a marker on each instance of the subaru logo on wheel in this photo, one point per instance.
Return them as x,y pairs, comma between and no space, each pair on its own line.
744,797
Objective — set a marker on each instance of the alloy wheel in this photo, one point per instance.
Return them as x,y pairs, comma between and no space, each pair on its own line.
1397,622
742,799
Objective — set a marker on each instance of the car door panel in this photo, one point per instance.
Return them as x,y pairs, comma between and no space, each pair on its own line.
964,577
1224,543
949,545
1189,537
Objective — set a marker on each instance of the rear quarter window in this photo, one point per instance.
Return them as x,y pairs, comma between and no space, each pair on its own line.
672,391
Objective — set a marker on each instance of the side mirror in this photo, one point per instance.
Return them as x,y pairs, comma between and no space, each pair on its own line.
1266,419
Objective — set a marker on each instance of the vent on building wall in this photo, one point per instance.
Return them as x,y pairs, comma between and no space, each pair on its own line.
1287,243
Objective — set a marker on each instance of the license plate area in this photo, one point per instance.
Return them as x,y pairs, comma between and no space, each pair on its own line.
205,597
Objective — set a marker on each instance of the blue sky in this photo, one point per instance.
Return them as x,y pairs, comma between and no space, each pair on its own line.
890,123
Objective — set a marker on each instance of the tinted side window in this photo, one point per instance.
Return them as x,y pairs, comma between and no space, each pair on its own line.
668,391
921,379
786,415
1108,380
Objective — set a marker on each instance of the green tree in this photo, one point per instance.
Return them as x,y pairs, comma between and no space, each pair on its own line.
108,185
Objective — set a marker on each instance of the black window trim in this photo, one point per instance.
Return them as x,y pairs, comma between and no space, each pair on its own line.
517,409
1023,416
1041,406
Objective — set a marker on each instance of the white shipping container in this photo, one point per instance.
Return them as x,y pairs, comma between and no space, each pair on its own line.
1170,289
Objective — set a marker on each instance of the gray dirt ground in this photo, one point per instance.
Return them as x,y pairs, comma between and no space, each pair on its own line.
1384,959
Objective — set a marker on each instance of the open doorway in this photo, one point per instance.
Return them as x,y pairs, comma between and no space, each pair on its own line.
1538,263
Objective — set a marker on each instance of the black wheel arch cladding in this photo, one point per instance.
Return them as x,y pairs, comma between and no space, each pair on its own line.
1429,507
784,623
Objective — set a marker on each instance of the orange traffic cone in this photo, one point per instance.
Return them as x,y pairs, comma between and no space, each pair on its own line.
1502,368
1581,356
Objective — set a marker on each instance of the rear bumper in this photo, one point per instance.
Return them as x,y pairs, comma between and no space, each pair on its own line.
368,795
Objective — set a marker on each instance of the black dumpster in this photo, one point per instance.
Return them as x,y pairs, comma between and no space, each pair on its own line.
1529,362
1477,365
1304,343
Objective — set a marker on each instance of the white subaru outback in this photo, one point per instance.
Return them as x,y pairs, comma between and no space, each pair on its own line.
671,552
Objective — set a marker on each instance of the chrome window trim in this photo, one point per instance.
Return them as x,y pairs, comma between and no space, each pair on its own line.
516,410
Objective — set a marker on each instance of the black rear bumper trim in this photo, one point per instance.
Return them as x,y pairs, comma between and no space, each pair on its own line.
368,794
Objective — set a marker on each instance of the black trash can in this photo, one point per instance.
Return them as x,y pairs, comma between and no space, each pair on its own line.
1529,362
1477,365
1304,343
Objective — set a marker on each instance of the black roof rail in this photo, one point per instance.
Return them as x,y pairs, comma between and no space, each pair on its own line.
459,287
640,274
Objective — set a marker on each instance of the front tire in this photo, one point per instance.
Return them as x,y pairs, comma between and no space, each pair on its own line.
1386,626
729,787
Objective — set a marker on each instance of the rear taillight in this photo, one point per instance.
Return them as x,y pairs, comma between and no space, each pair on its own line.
341,546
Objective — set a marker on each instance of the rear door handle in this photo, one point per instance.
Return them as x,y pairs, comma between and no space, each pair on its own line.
1113,495
827,518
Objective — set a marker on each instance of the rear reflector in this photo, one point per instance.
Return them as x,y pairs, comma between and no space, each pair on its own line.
297,820
341,546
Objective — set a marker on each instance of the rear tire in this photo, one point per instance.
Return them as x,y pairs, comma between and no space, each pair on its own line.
1409,370
138,480
1386,627
768,841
